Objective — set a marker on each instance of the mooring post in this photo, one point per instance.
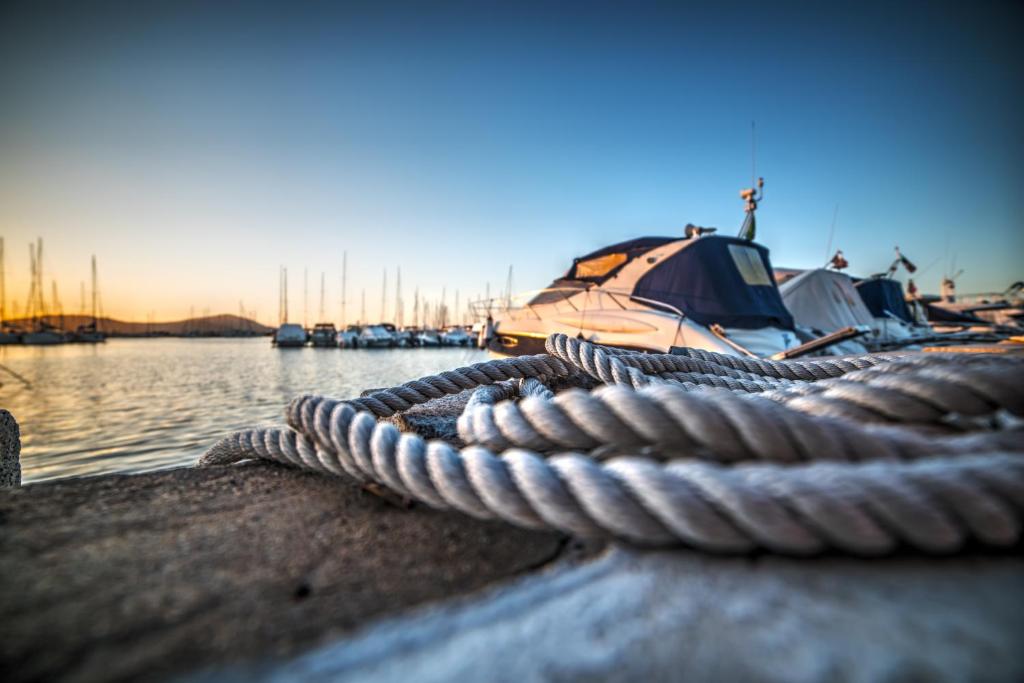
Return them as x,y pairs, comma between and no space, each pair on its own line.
10,451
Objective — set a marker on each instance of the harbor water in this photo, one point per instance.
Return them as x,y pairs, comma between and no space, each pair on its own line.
136,405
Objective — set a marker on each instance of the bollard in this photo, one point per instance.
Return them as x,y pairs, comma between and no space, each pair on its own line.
10,451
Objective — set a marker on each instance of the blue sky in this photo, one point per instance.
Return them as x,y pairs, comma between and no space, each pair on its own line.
196,150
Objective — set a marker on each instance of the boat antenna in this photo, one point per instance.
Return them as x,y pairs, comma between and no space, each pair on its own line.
753,152
755,193
751,197
832,231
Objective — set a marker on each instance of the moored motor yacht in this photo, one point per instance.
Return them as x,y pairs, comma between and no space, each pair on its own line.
349,337
426,338
653,293
823,301
324,335
455,336
290,335
376,337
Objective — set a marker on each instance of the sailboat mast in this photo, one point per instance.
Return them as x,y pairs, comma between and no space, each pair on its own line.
399,313
508,289
94,308
39,276
58,310
384,298
3,287
344,285
322,276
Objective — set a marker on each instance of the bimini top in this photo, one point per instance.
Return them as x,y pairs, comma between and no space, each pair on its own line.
604,263
723,280
825,300
598,267
883,296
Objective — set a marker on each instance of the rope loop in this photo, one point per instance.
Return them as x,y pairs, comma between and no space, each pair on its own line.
725,454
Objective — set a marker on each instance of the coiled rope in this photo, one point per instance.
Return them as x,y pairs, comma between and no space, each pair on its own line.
860,455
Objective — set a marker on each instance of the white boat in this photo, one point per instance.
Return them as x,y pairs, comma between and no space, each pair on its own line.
653,293
375,337
455,336
290,335
427,338
823,301
893,320
403,338
349,337
43,338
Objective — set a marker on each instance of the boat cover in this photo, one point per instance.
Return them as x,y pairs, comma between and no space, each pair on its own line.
882,296
721,280
825,300
940,314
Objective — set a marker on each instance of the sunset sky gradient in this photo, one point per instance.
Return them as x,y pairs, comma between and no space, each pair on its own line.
197,148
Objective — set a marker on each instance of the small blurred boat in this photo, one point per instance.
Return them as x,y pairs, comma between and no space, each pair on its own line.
324,335
376,337
290,335
455,336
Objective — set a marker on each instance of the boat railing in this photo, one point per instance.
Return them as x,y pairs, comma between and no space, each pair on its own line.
564,301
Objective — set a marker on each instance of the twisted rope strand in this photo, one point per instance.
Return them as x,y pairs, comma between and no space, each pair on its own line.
387,402
864,508
716,424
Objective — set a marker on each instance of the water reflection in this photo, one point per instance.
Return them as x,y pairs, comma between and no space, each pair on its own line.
134,405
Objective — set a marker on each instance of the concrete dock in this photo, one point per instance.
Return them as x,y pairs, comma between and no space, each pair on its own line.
260,572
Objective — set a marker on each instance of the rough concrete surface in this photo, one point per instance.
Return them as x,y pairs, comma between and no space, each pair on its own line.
10,451
145,576
677,615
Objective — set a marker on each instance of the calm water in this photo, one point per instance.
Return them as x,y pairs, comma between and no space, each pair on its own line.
133,405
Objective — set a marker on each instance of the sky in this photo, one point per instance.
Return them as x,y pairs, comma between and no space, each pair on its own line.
196,149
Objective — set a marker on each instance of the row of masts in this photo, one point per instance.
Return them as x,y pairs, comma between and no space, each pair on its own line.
37,309
425,312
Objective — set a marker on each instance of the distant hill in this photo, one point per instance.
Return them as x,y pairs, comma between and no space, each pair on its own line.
209,326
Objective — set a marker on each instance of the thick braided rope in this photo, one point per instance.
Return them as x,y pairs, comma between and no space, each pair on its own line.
387,402
882,391
669,421
597,362
934,501
636,369
658,363
789,369
936,504
913,393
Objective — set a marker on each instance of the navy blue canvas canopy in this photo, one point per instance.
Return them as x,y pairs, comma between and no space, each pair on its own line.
940,314
882,296
721,280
